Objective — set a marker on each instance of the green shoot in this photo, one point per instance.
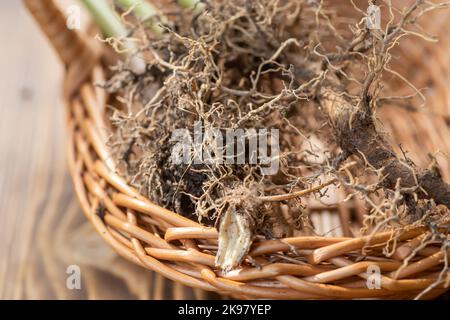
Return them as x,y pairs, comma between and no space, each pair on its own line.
191,4
145,11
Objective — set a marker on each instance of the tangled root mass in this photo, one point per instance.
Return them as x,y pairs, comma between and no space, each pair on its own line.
292,65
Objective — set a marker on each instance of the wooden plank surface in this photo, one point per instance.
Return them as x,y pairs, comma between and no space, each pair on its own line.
31,129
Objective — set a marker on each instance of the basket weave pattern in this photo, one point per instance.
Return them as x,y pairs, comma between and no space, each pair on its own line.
183,250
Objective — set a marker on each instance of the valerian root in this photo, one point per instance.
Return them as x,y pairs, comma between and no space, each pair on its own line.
357,134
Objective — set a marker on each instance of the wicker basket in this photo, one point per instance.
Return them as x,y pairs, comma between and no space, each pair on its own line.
183,250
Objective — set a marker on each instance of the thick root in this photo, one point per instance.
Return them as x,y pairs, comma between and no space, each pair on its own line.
357,134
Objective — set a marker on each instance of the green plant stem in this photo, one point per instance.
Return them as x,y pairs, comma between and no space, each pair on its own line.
191,4
112,27
144,10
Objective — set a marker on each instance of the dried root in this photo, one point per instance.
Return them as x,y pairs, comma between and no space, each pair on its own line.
258,65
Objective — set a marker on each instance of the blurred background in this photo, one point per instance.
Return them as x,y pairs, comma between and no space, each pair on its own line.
43,234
